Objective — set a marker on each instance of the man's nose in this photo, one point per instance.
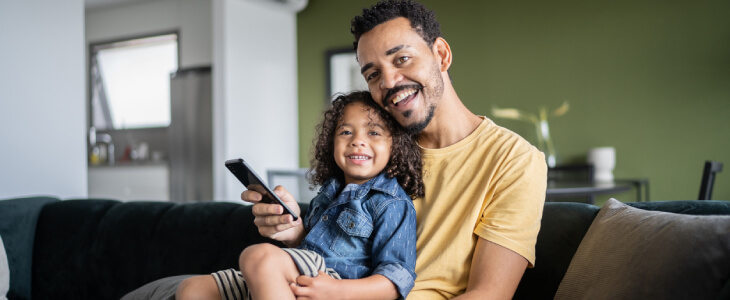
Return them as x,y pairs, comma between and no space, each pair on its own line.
390,78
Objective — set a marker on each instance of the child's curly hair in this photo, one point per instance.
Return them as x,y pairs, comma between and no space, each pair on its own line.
405,158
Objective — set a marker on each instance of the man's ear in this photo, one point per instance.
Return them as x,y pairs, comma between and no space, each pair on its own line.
443,53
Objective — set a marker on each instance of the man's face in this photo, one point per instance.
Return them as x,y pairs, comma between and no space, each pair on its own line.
402,72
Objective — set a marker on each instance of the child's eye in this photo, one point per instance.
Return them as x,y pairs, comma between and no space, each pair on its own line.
345,132
374,133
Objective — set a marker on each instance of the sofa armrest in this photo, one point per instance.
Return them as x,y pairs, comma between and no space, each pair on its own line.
18,219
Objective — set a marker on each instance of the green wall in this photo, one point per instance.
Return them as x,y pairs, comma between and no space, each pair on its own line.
650,78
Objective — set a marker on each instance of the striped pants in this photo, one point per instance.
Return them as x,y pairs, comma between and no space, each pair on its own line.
232,286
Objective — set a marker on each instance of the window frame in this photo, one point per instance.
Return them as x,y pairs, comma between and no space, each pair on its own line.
90,88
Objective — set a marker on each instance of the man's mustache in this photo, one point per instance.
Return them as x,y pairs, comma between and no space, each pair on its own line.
398,89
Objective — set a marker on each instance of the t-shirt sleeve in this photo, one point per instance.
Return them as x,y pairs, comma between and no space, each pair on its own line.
511,215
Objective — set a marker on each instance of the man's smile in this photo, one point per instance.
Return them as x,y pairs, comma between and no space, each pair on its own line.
398,94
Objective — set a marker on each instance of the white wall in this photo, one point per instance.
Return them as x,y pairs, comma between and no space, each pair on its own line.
254,90
42,99
252,47
192,18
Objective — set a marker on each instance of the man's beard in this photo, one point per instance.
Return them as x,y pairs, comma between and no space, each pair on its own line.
438,90
420,126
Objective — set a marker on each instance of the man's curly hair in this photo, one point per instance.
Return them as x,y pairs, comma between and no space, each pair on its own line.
423,20
405,158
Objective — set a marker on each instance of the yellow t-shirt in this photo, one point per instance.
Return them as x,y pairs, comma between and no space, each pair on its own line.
490,185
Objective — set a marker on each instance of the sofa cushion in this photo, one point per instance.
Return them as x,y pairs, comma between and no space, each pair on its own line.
62,256
18,219
103,249
119,253
630,253
231,234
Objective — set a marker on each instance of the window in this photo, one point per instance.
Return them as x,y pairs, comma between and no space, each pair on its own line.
130,82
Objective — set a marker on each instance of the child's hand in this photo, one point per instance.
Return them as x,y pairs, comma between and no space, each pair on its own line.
321,287
271,221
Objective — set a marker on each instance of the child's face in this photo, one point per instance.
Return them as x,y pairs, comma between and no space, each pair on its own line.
362,143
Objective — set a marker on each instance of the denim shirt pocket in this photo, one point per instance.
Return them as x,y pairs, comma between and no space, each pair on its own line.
354,238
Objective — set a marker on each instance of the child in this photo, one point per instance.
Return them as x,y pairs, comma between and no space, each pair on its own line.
362,224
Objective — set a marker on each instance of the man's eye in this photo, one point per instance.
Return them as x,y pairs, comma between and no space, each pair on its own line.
402,59
371,76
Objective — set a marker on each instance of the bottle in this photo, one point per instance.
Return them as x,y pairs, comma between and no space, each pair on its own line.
94,158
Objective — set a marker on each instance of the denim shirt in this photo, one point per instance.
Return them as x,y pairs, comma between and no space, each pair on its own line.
368,230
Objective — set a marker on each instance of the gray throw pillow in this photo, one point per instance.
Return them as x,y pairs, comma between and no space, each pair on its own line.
629,253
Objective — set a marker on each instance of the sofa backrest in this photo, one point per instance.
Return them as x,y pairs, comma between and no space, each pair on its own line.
103,249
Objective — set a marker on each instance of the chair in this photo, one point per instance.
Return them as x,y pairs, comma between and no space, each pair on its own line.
295,181
708,179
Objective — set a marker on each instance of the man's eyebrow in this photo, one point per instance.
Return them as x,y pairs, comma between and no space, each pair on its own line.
394,49
366,67
387,53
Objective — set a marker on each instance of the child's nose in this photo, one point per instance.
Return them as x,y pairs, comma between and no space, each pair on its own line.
358,141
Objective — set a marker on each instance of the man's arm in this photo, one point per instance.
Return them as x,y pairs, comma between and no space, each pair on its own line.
495,272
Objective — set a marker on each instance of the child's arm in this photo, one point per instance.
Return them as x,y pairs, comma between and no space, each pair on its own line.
325,287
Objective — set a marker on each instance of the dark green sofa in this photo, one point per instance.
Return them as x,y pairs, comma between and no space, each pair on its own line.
103,249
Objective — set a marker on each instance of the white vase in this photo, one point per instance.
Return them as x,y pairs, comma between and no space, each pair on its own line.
603,160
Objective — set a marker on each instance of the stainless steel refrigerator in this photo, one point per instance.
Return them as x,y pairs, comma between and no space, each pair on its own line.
190,135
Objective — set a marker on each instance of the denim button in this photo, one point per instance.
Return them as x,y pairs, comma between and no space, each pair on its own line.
324,218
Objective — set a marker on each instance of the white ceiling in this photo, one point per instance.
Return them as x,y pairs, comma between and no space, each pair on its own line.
291,5
92,4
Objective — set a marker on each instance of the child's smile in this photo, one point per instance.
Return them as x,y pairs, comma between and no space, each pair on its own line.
358,158
362,143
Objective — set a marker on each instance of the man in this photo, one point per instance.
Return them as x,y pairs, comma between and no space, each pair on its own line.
485,186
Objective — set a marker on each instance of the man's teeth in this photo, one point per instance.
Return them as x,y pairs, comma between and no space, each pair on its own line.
402,96
359,157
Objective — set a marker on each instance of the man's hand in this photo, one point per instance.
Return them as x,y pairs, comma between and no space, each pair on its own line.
271,221
373,287
312,288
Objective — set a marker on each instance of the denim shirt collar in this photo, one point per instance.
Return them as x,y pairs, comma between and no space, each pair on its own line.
380,183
